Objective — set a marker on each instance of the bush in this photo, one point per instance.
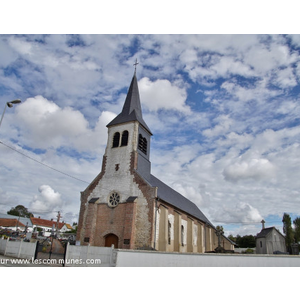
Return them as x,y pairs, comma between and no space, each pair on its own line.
249,251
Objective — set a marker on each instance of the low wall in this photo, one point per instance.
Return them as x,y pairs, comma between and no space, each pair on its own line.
89,256
17,249
128,258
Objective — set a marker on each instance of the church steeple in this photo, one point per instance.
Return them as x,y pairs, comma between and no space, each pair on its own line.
132,110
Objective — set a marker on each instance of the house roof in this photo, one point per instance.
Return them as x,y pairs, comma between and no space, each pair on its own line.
69,226
168,195
132,110
264,232
24,220
10,223
45,223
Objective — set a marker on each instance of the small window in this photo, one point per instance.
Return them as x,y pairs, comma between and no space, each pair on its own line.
142,144
116,140
124,140
182,235
260,244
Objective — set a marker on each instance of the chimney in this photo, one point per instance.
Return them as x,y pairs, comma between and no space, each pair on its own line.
263,224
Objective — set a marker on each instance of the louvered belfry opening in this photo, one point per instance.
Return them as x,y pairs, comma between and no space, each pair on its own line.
142,144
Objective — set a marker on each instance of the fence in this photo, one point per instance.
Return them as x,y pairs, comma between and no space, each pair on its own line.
17,249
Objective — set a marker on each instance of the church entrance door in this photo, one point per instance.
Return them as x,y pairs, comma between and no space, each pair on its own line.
111,239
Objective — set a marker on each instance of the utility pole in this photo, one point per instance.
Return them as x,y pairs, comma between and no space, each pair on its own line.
57,223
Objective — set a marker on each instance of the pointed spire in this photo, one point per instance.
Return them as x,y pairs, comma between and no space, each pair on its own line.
132,110
132,101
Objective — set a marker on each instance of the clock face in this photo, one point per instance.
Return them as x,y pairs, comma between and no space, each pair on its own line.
114,199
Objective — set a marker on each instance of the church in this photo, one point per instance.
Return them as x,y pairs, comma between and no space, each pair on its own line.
126,206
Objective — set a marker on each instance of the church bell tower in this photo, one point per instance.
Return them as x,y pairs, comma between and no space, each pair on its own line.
128,134
117,207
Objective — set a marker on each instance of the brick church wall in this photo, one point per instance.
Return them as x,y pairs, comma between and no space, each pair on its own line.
111,220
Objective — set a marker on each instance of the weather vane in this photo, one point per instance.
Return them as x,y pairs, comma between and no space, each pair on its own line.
135,64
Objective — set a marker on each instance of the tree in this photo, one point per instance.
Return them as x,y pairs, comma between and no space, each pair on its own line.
288,231
232,238
246,241
220,228
297,229
20,211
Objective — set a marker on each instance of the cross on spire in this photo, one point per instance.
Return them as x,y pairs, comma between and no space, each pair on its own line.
135,64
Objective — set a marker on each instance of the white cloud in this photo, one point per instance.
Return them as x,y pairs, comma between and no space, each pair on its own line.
44,124
241,212
162,94
258,92
285,78
256,169
46,202
227,66
223,126
7,55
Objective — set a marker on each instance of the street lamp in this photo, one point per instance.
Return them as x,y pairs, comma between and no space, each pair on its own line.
9,104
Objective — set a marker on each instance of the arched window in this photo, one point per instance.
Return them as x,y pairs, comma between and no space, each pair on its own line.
182,235
116,140
169,232
124,140
142,144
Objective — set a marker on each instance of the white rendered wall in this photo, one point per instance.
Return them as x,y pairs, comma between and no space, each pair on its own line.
163,259
120,181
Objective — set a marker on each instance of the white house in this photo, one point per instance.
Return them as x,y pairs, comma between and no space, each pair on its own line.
12,224
270,240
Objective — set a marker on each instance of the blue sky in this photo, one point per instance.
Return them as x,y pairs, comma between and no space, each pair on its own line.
223,109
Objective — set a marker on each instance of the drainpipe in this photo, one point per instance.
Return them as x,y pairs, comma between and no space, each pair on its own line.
155,218
205,225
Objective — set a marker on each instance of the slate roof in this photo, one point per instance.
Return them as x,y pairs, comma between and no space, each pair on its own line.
132,110
264,232
168,195
131,199
93,200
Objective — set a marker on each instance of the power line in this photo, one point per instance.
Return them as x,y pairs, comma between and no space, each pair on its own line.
51,167
42,163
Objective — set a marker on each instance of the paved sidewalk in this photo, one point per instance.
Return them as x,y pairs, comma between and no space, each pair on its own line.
8,261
